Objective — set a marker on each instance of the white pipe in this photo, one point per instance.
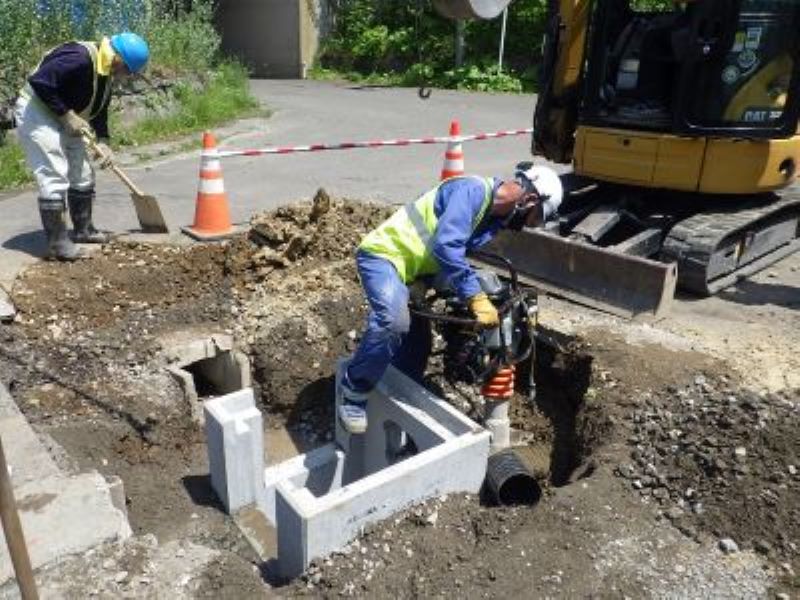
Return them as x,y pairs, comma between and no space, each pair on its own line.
498,424
502,41
460,32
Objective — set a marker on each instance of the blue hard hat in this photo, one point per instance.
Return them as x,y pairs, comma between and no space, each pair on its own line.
132,49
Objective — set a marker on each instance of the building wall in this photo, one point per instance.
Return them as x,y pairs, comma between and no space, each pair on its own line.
274,38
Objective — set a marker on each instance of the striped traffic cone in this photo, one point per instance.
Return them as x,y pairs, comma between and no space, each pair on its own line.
454,156
212,217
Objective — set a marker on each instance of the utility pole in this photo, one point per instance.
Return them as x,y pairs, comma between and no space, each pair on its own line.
460,28
502,41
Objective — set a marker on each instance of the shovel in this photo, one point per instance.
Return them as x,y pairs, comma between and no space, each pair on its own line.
147,208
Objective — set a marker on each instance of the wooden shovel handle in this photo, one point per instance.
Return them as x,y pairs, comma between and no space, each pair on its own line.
117,171
125,179
15,537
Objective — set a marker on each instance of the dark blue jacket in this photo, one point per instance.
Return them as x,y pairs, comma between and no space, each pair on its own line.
64,81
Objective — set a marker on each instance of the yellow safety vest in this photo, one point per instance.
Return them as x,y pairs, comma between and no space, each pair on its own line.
406,238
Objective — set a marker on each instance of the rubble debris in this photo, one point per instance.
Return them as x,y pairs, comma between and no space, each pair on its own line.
717,459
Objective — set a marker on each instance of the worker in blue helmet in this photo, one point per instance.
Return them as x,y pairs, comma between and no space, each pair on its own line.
66,98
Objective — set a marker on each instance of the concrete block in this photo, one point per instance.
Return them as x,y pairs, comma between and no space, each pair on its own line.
417,447
7,310
319,470
26,455
184,348
211,358
61,516
403,417
236,449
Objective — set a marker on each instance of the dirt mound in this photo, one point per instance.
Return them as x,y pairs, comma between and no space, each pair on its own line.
130,280
446,544
325,229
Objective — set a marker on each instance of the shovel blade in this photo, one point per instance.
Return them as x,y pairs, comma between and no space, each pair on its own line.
149,213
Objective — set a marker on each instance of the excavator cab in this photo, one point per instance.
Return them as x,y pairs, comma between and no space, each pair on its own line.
726,68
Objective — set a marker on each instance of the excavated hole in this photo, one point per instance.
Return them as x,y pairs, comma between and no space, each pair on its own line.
564,427
207,368
215,376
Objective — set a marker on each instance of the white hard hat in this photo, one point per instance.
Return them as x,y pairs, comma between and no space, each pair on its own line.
547,185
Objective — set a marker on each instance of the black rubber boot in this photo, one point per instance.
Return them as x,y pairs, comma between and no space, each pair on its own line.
54,221
80,211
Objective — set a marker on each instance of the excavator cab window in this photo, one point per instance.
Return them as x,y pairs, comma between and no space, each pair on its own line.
744,57
632,66
707,67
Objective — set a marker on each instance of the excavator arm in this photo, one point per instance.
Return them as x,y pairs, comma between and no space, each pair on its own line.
556,113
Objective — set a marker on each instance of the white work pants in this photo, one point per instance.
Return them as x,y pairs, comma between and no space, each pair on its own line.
57,159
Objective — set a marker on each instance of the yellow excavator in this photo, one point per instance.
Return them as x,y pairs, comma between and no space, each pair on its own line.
681,126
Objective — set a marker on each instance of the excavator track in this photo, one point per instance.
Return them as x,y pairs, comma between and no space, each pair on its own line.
716,249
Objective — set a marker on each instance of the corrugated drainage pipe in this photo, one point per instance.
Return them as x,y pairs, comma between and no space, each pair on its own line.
509,482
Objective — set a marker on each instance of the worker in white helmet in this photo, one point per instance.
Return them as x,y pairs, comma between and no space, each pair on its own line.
430,237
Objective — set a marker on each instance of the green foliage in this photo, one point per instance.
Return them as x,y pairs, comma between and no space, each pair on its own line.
181,39
652,5
13,169
482,80
180,32
224,96
182,42
408,43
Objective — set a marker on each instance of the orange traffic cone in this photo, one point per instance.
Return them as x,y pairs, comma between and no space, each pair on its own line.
454,156
212,217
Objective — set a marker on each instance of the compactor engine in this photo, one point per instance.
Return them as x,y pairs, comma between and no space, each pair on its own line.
472,355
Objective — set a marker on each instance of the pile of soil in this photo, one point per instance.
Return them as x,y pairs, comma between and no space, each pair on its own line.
448,543
305,307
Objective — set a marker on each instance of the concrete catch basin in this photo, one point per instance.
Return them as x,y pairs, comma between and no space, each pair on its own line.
417,447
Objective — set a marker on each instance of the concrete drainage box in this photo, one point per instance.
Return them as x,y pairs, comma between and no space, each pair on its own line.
416,447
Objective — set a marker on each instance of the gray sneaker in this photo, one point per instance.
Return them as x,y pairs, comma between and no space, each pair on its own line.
353,413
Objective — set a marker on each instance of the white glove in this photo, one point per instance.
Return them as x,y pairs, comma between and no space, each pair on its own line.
74,124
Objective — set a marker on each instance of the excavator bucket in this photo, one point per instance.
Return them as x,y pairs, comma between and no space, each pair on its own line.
611,281
470,9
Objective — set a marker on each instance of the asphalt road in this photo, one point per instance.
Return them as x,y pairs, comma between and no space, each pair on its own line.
304,112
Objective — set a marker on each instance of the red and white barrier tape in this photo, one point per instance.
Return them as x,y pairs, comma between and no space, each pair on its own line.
372,144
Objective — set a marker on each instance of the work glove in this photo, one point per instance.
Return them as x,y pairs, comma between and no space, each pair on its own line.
74,124
484,310
104,155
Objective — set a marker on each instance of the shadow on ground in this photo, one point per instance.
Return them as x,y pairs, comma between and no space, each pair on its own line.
200,491
752,293
30,242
